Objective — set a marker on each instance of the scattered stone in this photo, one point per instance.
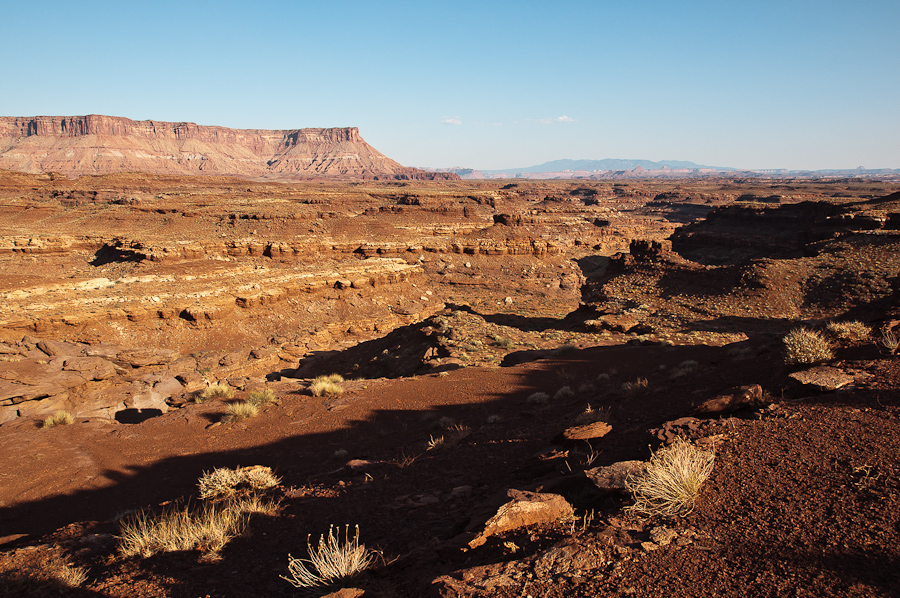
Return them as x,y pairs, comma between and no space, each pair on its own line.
669,431
525,508
663,535
587,431
744,396
824,378
613,477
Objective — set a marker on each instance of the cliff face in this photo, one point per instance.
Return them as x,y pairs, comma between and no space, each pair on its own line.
96,144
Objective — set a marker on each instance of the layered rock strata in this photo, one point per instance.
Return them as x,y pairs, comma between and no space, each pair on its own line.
97,144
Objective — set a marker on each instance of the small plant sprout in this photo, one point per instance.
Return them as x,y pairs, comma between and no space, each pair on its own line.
435,443
60,418
331,562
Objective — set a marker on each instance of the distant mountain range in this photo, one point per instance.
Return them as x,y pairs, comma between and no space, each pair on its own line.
607,164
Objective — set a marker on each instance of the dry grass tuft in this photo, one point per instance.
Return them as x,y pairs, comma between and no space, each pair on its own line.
69,575
240,410
890,341
225,483
219,390
262,397
60,418
639,387
671,483
326,386
805,347
207,528
331,563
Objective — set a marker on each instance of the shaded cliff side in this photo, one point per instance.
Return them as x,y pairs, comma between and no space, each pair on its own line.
97,144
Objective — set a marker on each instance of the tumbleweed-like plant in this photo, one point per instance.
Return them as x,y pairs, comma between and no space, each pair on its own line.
804,347
671,482
331,562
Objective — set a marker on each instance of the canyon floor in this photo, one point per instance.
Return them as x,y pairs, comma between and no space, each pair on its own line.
655,307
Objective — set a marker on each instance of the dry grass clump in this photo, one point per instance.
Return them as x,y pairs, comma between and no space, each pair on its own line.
220,390
262,397
637,388
70,575
326,386
671,483
60,418
803,347
848,331
207,527
331,562
240,410
225,483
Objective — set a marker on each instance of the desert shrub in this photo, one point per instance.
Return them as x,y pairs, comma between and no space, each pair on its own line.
60,418
563,350
219,390
434,444
225,483
538,398
565,392
70,575
684,368
240,410
326,386
803,346
672,480
848,331
331,562
261,397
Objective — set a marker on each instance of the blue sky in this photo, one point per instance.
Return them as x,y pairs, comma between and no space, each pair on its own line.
751,84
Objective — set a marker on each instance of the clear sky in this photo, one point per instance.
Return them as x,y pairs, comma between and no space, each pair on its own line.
800,84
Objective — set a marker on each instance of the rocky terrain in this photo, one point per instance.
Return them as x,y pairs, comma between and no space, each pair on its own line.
98,144
510,349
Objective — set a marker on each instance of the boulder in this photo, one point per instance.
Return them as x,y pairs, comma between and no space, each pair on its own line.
525,508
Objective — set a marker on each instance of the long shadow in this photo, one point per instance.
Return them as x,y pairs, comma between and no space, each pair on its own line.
390,499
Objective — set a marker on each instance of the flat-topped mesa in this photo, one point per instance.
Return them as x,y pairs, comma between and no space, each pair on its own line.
97,144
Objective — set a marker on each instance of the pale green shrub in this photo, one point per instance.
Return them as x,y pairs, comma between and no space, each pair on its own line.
803,347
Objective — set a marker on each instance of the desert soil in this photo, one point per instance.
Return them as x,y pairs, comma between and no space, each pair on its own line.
438,421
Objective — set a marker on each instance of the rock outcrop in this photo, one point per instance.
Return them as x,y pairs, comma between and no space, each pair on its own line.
97,144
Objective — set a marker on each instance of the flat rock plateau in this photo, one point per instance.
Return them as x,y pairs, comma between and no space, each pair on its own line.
513,352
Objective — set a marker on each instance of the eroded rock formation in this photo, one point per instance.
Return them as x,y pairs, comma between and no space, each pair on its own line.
97,144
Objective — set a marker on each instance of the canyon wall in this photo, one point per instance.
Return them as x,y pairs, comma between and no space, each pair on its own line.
97,144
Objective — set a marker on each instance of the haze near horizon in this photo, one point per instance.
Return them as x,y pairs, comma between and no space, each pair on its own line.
797,84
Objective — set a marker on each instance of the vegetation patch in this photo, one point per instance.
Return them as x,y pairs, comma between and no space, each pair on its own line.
671,483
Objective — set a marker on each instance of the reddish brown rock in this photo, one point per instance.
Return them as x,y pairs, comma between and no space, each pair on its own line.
525,508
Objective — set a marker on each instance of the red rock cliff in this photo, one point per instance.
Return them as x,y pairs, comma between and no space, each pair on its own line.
97,144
